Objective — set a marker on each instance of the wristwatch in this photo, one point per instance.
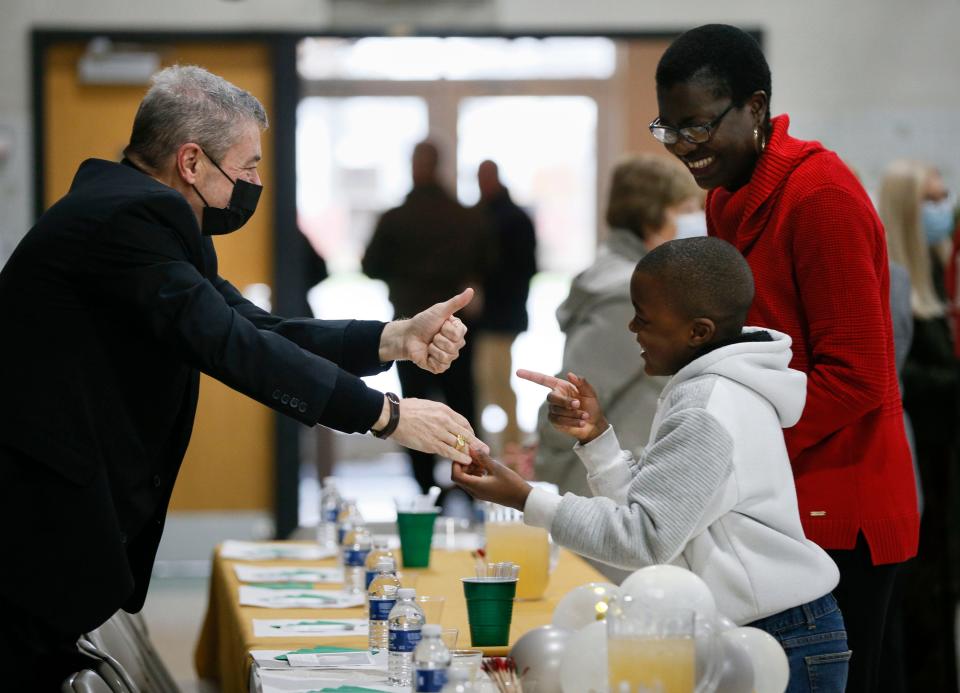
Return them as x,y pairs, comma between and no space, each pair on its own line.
394,419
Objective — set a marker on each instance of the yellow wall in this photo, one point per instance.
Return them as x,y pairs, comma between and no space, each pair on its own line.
229,465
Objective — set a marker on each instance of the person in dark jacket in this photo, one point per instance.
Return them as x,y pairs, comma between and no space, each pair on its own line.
112,306
428,247
505,290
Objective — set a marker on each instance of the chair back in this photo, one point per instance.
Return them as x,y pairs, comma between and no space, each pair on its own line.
109,670
86,681
126,639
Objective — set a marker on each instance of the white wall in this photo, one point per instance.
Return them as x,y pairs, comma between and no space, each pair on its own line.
872,79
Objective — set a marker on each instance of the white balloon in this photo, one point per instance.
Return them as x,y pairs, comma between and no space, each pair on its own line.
736,671
771,671
723,623
538,654
671,587
584,665
584,605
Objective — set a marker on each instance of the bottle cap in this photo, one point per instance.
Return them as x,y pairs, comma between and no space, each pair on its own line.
406,593
432,630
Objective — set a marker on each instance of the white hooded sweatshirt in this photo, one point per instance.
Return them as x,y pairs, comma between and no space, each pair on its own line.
713,489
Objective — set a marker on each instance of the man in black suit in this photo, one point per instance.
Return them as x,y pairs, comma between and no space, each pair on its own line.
112,306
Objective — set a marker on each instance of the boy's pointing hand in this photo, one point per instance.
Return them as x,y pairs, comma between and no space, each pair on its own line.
574,407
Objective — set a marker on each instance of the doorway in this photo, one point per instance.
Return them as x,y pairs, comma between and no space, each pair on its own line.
549,111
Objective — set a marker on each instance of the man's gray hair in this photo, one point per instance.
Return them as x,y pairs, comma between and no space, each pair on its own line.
189,104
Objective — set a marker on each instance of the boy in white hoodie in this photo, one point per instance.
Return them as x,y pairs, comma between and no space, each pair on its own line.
712,491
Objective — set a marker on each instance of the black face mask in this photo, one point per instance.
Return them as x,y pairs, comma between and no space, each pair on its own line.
217,221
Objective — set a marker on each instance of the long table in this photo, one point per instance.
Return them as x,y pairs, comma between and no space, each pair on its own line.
227,637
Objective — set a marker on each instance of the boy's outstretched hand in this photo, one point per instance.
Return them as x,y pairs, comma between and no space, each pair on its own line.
574,405
487,479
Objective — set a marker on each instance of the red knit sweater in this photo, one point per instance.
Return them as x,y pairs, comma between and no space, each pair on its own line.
819,258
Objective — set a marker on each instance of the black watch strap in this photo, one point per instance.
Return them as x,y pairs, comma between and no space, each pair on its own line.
391,426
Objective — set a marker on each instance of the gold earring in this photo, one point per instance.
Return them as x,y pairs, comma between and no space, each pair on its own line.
759,141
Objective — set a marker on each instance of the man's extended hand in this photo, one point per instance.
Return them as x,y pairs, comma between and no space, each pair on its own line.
433,427
487,479
432,339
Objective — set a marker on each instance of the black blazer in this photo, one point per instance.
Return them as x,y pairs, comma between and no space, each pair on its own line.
111,305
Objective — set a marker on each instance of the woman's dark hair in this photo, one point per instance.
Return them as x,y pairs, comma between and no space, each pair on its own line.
727,58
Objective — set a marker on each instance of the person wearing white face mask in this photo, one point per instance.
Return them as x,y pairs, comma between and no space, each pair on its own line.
917,214
649,195
691,224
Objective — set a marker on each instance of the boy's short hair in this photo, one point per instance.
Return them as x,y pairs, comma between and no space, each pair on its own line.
703,278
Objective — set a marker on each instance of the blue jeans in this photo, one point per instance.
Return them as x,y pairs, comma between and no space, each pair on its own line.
815,640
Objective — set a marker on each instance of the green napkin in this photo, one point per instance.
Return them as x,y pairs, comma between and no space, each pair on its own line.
319,649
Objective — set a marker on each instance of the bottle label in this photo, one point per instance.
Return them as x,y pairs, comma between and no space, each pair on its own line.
404,640
341,533
380,609
355,558
431,679
330,515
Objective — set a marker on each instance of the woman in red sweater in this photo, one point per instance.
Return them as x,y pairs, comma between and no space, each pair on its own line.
819,259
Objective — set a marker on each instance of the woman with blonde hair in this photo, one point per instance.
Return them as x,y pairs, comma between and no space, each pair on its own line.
651,197
905,187
931,384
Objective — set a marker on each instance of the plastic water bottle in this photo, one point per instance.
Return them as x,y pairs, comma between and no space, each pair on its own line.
406,622
380,550
356,547
382,596
329,510
348,518
458,681
431,660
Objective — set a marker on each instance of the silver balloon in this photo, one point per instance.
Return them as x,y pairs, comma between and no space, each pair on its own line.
538,654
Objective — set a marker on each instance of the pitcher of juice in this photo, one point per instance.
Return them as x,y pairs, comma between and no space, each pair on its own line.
659,650
509,539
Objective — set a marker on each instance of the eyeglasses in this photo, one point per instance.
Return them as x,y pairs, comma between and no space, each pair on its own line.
694,134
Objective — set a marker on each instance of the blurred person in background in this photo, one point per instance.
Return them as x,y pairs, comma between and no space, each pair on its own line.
931,387
648,195
938,216
428,245
505,288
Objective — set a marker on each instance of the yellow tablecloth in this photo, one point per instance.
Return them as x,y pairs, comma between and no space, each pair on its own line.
227,633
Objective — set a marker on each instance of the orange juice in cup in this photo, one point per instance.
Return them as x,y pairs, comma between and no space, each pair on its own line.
656,664
651,649
508,539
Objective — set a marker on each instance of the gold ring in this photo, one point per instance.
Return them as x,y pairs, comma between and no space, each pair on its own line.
461,443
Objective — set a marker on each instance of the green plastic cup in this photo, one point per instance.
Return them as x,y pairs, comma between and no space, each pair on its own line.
489,609
416,534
